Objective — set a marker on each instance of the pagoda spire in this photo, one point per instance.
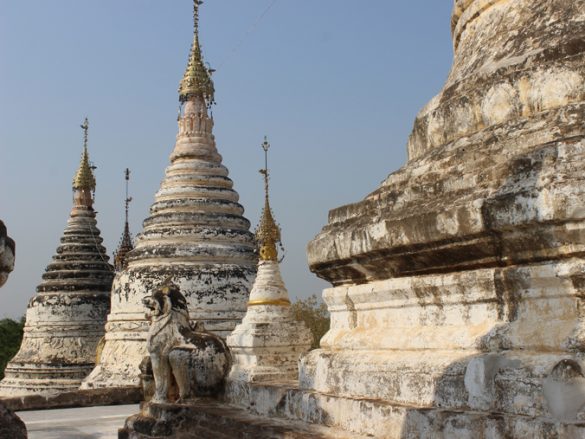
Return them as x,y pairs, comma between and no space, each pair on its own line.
268,232
84,180
126,244
197,80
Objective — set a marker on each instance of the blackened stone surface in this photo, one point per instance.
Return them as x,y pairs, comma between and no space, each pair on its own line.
11,427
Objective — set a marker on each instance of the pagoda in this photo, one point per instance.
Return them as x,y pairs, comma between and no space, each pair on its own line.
196,236
126,245
268,343
65,320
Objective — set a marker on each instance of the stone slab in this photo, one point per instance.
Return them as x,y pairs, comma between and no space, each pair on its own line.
77,423
79,398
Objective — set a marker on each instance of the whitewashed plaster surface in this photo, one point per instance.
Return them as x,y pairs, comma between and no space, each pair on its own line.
268,343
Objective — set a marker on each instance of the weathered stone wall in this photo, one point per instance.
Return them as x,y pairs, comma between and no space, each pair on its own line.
458,283
499,180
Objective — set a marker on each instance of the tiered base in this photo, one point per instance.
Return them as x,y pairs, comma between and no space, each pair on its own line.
28,379
386,420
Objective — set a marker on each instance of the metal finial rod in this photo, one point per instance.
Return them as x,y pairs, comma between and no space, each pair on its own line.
128,199
85,127
265,146
196,4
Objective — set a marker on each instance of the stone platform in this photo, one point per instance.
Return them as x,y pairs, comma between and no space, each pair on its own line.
77,398
391,420
282,410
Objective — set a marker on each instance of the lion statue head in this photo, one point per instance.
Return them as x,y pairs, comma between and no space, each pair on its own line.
165,299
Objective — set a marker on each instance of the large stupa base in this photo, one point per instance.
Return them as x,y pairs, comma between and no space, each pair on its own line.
31,379
217,296
495,354
458,284
452,350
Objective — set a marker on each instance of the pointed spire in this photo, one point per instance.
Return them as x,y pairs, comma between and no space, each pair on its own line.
126,244
268,232
84,178
197,79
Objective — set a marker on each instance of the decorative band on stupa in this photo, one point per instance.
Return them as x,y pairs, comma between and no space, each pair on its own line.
65,319
196,234
268,343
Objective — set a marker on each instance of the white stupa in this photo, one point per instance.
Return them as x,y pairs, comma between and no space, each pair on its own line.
268,343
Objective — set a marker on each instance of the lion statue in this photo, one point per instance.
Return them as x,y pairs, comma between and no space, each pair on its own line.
191,359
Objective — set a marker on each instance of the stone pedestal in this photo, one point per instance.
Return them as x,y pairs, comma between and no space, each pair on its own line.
458,283
205,418
65,320
268,343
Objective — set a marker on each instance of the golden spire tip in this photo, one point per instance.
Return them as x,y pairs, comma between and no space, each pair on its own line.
197,78
84,178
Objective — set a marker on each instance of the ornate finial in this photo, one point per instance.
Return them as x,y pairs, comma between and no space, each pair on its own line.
126,245
267,233
85,128
84,178
197,79
128,199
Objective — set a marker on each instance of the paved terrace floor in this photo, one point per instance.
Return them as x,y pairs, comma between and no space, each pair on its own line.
80,423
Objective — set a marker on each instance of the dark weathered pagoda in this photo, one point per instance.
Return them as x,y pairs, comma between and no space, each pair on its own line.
65,319
126,245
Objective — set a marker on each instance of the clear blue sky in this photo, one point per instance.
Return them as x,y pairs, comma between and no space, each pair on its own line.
335,84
